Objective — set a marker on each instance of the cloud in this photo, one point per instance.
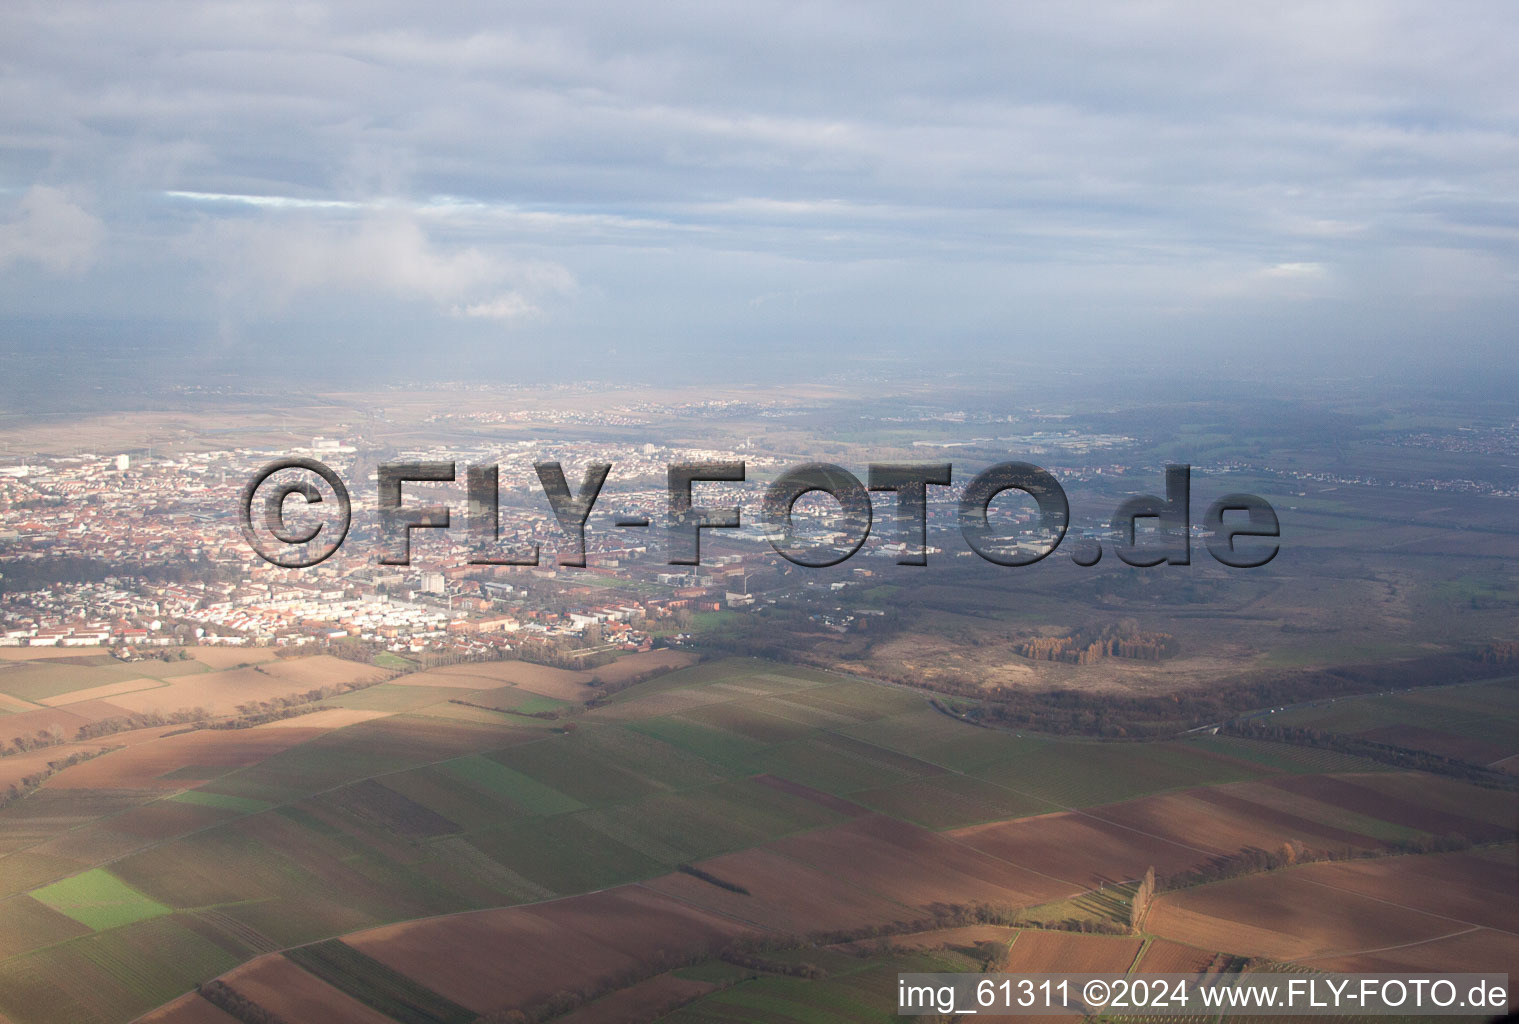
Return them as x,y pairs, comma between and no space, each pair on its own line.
998,171
270,262
1294,271
272,202
52,231
512,306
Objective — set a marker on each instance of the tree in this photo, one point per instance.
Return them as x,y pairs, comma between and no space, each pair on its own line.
1140,908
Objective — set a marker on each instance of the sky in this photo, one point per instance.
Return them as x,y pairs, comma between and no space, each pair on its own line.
552,189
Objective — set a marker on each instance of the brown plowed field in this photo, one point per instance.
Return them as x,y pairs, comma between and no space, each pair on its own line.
646,1001
163,819
17,766
65,721
1479,950
785,896
917,867
1288,916
1446,744
189,1009
1163,956
142,765
1226,821
1412,799
219,658
1465,886
1071,952
325,719
48,653
221,692
520,956
1081,850
640,662
280,986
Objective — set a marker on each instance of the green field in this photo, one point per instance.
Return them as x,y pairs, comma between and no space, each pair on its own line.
240,804
521,791
568,854
746,719
839,765
533,704
1476,722
98,899
951,801
1084,774
1285,758
716,745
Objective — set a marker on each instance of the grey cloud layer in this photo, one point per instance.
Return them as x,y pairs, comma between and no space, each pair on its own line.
735,171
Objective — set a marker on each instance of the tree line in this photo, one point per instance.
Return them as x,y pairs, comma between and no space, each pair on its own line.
1386,753
29,782
1252,860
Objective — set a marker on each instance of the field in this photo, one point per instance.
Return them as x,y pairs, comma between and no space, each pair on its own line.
528,954
1041,951
1223,819
172,762
783,895
276,983
105,692
98,899
743,840
852,991
1162,956
1342,911
556,683
414,863
85,674
1485,896
1453,953
96,978
371,982
1426,803
1080,850
644,1000
1477,722
222,692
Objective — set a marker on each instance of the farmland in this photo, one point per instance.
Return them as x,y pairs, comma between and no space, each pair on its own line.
99,900
388,858
1476,722
1035,951
1340,912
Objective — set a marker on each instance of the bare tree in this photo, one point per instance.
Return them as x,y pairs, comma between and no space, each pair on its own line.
1140,908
